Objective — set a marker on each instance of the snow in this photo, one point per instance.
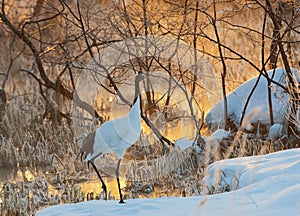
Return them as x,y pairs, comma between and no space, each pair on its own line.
219,134
212,143
263,185
276,131
258,102
183,144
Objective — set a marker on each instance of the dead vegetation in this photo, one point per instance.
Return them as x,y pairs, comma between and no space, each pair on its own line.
35,130
150,170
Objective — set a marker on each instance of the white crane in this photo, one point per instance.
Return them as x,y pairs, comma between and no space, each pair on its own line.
115,136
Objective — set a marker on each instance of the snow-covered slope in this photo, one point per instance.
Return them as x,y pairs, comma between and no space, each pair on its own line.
267,185
258,102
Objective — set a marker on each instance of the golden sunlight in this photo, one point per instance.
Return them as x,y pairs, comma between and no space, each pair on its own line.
96,187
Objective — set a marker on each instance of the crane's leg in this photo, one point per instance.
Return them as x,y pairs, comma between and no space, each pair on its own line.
103,184
117,175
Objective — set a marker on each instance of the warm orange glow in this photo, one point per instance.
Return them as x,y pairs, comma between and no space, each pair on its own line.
19,176
96,187
28,175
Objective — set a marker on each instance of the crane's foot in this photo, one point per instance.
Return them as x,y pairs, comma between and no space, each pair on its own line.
121,201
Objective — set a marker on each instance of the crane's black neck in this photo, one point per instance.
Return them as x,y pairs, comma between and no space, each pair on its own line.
137,90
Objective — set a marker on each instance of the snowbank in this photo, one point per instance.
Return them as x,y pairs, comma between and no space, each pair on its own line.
259,100
265,185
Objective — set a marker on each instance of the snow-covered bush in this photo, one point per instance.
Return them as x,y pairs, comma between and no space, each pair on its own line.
257,110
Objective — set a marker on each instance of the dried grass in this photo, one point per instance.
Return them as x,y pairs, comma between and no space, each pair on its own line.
150,171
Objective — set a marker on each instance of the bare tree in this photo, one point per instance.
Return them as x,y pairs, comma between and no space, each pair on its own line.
59,39
32,33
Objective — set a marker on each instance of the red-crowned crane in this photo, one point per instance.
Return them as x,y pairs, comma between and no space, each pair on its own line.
115,136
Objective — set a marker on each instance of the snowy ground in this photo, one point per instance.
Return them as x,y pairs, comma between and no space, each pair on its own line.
265,185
